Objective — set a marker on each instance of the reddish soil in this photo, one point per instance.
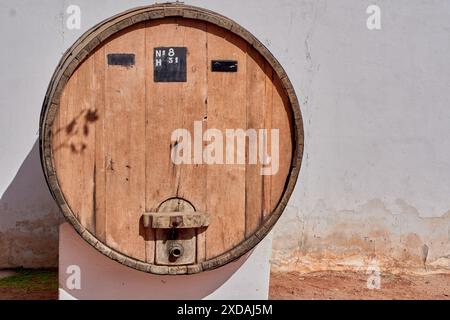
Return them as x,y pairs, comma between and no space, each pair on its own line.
352,286
318,285
21,294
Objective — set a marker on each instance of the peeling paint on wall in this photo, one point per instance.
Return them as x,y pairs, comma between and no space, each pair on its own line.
29,219
351,239
31,244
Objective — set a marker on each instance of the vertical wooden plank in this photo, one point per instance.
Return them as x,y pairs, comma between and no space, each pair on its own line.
172,106
266,142
85,148
283,121
162,109
192,177
100,156
64,138
226,110
56,139
256,105
74,139
125,146
90,90
163,105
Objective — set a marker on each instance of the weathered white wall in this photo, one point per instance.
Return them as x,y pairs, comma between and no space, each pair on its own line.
375,180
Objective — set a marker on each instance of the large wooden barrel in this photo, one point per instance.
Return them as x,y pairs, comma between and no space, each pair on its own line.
171,139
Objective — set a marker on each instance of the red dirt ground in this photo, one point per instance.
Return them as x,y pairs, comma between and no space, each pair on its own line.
318,285
20,294
352,286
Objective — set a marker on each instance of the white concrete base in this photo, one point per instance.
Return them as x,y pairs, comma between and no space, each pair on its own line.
103,278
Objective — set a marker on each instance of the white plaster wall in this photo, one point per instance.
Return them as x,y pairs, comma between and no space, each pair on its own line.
375,180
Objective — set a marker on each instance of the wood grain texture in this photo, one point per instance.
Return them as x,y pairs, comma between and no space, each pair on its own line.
226,110
74,138
112,138
124,144
256,106
66,164
192,178
99,170
283,121
178,106
266,142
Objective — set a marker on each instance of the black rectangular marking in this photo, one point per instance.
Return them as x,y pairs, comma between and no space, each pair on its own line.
169,64
224,66
121,59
